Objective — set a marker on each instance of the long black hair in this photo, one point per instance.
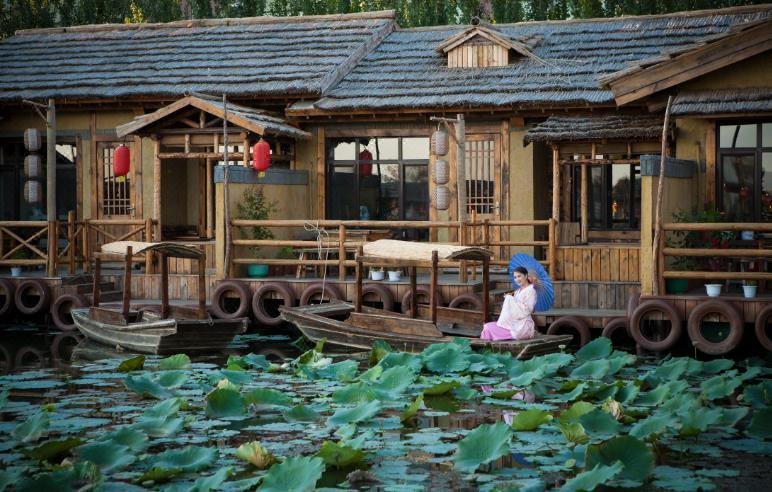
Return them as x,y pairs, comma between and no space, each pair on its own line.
522,271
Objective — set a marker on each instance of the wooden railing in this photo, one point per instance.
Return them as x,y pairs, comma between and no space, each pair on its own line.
716,253
345,238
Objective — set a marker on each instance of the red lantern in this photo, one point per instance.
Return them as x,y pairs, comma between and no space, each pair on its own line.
121,161
365,163
261,155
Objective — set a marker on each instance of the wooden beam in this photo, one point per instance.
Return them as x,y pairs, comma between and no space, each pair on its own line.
358,283
432,290
232,156
413,292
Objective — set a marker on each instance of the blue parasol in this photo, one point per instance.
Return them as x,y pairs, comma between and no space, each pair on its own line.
545,293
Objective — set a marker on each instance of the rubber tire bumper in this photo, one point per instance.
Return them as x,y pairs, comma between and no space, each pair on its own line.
669,311
243,294
258,301
420,291
383,293
760,327
331,292
61,307
7,290
467,300
632,304
735,327
44,293
577,324
613,326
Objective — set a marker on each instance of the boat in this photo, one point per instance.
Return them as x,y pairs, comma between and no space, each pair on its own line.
166,330
355,326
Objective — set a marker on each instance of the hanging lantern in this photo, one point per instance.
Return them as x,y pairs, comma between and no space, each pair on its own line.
261,156
439,142
442,197
121,161
33,167
365,163
441,172
33,192
32,139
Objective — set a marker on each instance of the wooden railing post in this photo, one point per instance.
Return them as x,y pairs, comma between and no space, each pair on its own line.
230,267
51,254
358,282
341,253
149,238
86,246
660,262
71,241
552,249
462,234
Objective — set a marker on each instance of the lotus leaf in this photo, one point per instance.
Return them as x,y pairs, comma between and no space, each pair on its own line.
172,379
243,484
717,365
573,432
759,395
379,350
371,374
669,370
297,473
158,475
482,445
253,452
174,362
618,360
628,392
483,363
189,459
4,399
52,451
147,388
356,414
548,364
126,436
590,479
654,397
698,420
575,411
441,388
8,477
345,370
679,479
60,480
730,416
405,359
108,456
225,403
267,396
761,424
593,369
445,358
163,409
354,393
160,427
526,378
464,393
301,413
359,441
599,423
412,409
571,395
635,455
530,419
339,455
600,348
654,424
392,382
235,377
32,428
719,386
133,364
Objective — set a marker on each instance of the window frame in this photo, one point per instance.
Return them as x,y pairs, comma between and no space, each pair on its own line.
607,221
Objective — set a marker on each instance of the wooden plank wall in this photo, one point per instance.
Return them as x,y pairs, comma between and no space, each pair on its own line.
607,263
593,295
185,266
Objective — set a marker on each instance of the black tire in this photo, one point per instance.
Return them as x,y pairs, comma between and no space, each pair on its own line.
467,301
331,293
282,290
60,344
7,290
6,363
383,294
32,287
632,304
421,291
761,327
614,327
669,311
573,324
242,294
60,310
29,358
725,309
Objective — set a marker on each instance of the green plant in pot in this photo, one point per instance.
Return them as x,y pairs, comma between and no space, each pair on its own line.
680,239
254,206
19,254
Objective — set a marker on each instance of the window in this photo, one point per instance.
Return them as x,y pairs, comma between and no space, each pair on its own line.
115,190
380,178
744,179
613,196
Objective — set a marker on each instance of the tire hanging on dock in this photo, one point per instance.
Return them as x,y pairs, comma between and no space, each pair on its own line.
469,301
421,291
614,327
669,312
383,294
694,327
572,323
259,309
762,318
7,290
27,291
221,299
61,307
327,291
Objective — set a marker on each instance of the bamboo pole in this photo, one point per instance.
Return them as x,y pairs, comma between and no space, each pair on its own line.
127,283
149,238
157,184
660,192
432,289
71,241
226,194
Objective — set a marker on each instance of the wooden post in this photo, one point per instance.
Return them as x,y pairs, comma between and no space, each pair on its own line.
209,198
97,280
555,183
658,205
86,246
157,185
552,248
127,282
187,143
52,248
149,238
485,293
341,253
660,280
461,166
358,284
245,154
413,293
433,289
164,286
226,194
71,241
202,285
462,272
51,168
584,200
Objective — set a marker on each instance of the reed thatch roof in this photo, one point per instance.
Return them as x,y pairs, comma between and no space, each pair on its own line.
412,251
264,56
725,101
596,127
175,250
406,71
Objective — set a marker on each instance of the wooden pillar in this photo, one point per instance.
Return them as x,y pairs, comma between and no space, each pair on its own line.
584,200
245,154
157,185
187,143
485,293
341,253
127,282
97,280
164,286
552,252
321,182
413,293
209,198
86,247
462,235
202,285
433,289
71,241
461,166
358,283
51,257
149,239
555,183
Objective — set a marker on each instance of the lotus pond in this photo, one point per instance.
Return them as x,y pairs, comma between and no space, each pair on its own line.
448,418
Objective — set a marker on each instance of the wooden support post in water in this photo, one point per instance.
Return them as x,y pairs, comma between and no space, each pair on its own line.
97,280
71,241
413,293
52,248
433,289
149,238
127,282
485,286
341,253
202,285
358,284
164,286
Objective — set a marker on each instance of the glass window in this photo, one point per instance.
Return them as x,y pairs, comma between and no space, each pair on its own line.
344,151
415,148
737,136
766,187
766,134
613,196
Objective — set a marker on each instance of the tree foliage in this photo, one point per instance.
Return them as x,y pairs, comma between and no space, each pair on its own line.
25,14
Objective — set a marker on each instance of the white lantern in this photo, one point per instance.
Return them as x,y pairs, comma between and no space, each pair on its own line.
32,139
33,167
442,197
439,143
33,192
441,172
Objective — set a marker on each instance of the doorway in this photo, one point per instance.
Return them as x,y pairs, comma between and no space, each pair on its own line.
183,201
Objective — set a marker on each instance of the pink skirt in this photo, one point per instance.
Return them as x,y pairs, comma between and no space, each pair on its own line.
492,331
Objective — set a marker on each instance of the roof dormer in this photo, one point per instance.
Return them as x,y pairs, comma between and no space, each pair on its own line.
481,45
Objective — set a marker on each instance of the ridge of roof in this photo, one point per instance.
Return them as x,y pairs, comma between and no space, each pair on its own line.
228,21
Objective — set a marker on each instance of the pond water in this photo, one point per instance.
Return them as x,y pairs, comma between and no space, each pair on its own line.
447,419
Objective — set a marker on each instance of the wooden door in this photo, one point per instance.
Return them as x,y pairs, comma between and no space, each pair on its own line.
483,184
113,198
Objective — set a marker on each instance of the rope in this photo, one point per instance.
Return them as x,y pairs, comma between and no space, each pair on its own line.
320,232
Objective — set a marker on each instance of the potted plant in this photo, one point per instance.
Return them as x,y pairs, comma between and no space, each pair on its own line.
254,206
19,254
749,289
376,273
713,290
680,239
284,253
395,275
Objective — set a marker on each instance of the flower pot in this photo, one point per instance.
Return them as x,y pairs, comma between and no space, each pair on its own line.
713,290
746,235
257,270
395,275
749,291
676,285
376,274
15,271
